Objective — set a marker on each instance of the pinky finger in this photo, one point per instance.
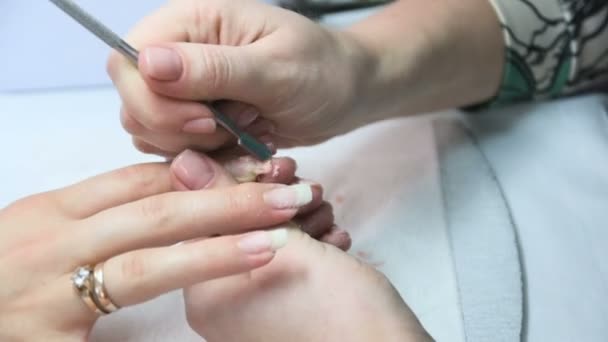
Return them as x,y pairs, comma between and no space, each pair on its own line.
339,238
141,275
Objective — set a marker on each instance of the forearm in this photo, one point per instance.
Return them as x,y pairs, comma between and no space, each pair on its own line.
427,56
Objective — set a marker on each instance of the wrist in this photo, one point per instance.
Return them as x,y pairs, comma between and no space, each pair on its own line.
422,57
360,65
387,75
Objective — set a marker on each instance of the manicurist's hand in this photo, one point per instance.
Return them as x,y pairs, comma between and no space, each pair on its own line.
293,82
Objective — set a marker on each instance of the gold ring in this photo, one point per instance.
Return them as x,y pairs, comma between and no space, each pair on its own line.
100,292
82,280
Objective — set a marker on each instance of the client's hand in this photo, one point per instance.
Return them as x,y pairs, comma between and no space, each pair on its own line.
311,291
129,223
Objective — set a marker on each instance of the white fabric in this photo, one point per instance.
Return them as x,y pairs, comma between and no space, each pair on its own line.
484,245
552,162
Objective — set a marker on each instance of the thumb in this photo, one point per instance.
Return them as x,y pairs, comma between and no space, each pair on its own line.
204,72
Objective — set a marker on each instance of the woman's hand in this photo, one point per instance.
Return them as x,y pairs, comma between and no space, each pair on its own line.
260,60
131,221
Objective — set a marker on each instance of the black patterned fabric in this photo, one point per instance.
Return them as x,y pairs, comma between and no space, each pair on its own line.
553,47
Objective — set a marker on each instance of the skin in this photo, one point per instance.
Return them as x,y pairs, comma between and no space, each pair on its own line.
132,219
306,83
312,291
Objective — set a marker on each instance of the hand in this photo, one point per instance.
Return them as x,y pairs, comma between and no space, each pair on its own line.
310,292
277,73
293,82
132,220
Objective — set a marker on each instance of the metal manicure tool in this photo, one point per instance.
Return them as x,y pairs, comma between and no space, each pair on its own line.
246,141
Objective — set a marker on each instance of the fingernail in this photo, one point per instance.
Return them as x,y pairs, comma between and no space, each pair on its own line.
163,64
193,170
247,169
200,126
247,117
265,241
289,197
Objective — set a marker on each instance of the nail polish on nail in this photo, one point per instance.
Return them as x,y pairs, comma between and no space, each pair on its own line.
247,169
193,170
289,197
200,126
163,64
263,241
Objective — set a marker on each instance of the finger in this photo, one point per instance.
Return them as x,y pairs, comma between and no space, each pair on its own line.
319,222
176,143
248,169
195,171
317,190
177,216
144,111
209,72
203,137
339,238
241,113
147,148
142,275
114,188
186,169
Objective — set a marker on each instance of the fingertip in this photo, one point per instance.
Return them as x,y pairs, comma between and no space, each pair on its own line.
113,64
282,171
339,238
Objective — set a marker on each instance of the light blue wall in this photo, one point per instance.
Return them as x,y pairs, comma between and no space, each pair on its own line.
41,48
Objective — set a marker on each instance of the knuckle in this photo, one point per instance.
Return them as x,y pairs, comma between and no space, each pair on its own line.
133,266
142,179
130,124
216,68
26,204
158,122
242,198
154,209
139,176
144,147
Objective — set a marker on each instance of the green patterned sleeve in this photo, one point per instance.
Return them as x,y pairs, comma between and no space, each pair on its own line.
553,47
